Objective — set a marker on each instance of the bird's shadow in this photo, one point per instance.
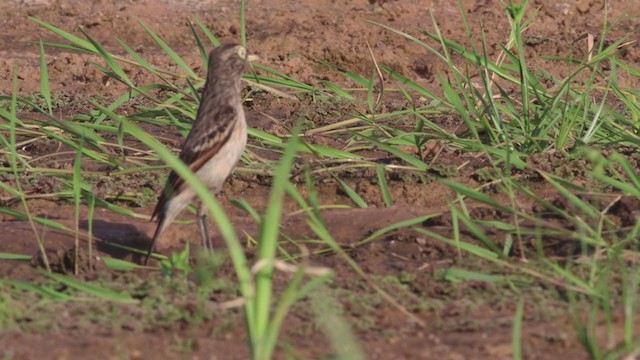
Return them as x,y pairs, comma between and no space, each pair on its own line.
113,239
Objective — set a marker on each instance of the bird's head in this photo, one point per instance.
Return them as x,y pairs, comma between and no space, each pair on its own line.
231,58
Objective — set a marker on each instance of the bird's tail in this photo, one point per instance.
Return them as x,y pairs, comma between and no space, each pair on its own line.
159,229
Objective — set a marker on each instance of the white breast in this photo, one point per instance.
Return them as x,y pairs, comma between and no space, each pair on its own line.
215,171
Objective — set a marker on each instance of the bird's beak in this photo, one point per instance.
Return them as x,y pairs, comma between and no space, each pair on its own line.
252,58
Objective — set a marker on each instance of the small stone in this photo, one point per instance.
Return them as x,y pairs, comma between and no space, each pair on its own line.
583,6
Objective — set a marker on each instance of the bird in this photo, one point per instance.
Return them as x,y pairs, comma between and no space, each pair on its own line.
215,143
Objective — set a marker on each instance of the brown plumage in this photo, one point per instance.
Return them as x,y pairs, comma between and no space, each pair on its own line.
214,144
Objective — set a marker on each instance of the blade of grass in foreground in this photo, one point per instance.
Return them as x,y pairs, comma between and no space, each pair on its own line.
18,257
99,292
44,79
516,344
77,191
384,187
121,265
269,231
43,291
342,339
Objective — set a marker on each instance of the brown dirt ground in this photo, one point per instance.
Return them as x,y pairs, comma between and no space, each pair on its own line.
292,37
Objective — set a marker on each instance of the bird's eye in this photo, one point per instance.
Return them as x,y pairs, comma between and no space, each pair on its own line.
242,52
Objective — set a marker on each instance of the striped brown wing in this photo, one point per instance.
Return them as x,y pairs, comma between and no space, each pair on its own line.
211,130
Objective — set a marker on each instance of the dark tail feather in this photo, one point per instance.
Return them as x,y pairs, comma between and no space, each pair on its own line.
152,245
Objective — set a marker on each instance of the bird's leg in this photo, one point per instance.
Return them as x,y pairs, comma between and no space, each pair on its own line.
204,232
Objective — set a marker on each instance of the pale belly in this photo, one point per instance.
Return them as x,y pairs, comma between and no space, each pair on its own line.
214,172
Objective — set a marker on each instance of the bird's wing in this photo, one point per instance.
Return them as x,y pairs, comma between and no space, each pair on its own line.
211,130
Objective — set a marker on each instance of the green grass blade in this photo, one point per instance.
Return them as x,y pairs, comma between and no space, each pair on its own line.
583,206
327,311
384,187
121,265
97,291
338,90
204,57
44,79
458,275
516,337
83,44
18,257
111,62
396,226
42,221
77,191
477,231
172,54
287,299
44,292
357,199
421,165
269,231
214,41
243,205
567,274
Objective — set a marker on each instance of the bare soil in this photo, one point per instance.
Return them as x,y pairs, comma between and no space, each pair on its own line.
459,320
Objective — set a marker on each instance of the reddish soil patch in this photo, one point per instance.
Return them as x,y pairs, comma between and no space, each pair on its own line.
461,321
